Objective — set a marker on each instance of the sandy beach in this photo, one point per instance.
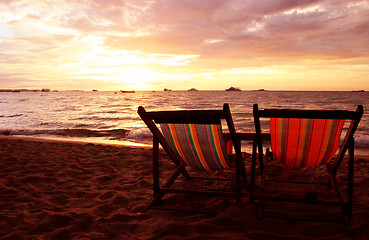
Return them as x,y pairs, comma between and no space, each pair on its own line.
68,190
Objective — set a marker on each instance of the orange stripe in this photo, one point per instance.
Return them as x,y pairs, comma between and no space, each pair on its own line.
315,145
218,147
278,140
273,136
197,147
300,147
210,138
327,139
305,138
293,141
176,143
336,140
307,142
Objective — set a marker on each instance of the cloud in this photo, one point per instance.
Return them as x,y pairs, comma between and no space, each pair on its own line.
263,28
212,35
267,7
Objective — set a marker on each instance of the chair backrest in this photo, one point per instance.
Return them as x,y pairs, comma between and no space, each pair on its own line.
193,137
307,138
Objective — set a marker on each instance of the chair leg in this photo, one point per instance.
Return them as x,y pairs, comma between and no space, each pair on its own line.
264,163
335,188
350,181
155,154
252,177
238,178
260,211
152,203
158,192
345,207
175,175
243,171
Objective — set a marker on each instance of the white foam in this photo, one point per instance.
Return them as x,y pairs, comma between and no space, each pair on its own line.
139,134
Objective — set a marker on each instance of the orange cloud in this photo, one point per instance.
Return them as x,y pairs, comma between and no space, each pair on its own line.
228,42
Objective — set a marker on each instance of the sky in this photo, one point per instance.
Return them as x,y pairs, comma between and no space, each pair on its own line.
183,44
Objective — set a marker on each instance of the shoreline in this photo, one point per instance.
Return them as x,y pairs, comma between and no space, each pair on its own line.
97,141
54,189
246,145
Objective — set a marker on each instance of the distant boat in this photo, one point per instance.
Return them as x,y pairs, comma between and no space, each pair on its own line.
357,90
94,90
127,91
167,90
192,90
231,89
9,90
45,90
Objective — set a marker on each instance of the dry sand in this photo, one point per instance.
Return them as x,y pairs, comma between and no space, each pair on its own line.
67,190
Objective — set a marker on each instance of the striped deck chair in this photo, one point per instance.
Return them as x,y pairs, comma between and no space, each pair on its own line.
304,139
194,138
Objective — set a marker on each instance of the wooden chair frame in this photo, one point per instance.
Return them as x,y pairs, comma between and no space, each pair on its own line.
189,117
348,144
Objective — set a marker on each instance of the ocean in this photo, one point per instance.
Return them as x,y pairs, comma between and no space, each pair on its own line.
111,117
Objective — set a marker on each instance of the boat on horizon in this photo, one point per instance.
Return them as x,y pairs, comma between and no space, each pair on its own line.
232,89
192,90
122,91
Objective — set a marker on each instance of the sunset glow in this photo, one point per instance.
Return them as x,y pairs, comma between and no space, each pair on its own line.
183,44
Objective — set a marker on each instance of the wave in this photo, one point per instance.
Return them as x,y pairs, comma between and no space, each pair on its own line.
98,118
78,132
140,135
11,116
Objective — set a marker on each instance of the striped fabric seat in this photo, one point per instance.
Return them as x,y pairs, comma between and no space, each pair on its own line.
200,146
194,138
300,143
303,138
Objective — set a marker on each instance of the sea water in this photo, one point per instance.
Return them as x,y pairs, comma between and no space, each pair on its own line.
112,116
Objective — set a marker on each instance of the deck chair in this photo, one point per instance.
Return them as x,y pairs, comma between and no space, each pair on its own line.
194,138
303,139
